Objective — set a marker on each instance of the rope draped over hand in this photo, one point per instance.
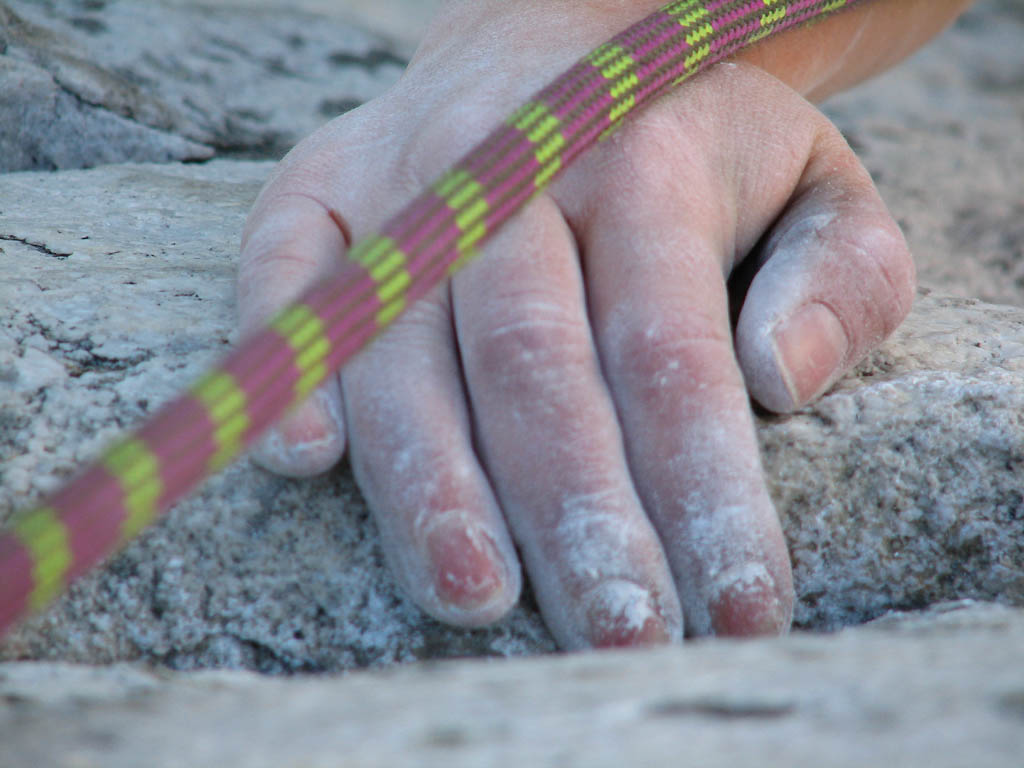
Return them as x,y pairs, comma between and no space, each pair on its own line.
46,548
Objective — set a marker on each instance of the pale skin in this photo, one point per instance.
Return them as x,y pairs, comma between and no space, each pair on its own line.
577,402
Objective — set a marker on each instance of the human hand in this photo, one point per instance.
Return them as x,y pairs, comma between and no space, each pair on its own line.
580,389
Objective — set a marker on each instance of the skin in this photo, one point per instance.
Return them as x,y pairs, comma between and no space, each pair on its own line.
578,400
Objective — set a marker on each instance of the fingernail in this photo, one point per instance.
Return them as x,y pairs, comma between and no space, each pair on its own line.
810,348
621,613
469,573
308,441
745,601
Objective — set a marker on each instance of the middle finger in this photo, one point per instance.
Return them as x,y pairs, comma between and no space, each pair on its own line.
549,438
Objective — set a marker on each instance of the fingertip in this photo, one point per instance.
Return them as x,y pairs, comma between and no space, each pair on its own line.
290,242
749,601
621,613
307,441
471,580
834,283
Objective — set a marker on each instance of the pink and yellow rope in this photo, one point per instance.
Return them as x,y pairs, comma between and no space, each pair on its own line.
46,548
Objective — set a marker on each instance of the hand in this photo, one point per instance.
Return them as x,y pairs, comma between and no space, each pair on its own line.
580,390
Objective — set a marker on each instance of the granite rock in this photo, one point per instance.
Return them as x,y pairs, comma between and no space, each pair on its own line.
903,486
86,83
940,690
897,490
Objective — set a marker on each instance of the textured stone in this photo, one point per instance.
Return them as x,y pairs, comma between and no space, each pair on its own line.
85,83
938,691
903,486
118,292
899,489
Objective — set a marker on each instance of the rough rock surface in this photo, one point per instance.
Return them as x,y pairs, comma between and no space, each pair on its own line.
903,486
899,489
939,691
118,289
86,83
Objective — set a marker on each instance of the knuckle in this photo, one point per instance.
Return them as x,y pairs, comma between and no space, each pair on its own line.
688,353
889,278
433,144
424,328
543,342
649,160
529,348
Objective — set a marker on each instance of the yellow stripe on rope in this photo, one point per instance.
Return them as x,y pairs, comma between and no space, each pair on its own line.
772,18
304,332
700,33
542,129
227,407
697,56
137,471
769,20
43,534
691,19
387,266
618,66
464,196
524,118
682,6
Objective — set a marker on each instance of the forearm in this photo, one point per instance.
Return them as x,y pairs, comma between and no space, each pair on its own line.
851,47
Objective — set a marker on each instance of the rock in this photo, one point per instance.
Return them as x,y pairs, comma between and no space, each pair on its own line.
899,489
44,126
932,691
82,84
902,487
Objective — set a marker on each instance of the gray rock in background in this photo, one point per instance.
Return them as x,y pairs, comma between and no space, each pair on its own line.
899,489
945,690
87,83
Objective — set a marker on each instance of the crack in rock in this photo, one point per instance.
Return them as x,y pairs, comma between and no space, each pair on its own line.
37,246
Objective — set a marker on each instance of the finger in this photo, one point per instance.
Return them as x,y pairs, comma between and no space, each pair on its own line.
665,343
835,278
291,241
547,431
412,454
654,259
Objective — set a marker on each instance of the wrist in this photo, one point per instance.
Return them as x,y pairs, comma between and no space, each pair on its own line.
569,27
816,61
854,45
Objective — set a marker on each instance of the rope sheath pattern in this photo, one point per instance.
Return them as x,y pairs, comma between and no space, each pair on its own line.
46,548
